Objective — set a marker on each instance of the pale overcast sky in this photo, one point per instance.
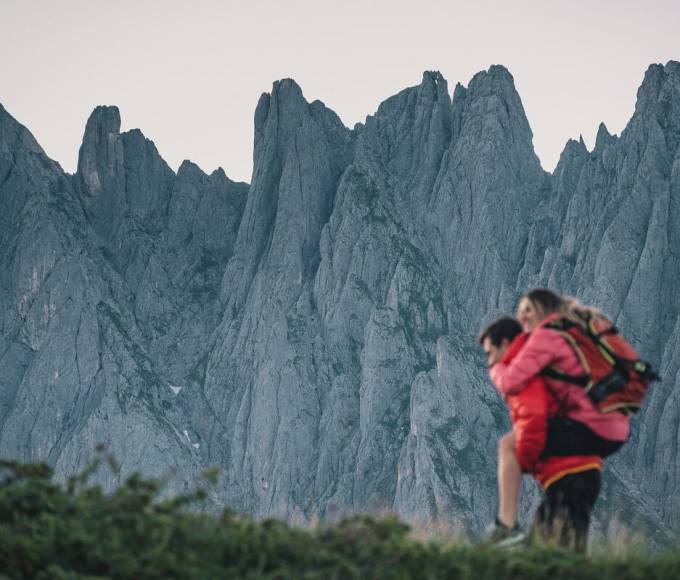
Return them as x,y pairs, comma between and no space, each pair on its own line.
189,74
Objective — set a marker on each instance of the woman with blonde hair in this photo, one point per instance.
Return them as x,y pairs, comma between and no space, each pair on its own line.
579,428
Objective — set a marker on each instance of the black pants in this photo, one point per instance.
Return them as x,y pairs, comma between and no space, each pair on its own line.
569,437
563,517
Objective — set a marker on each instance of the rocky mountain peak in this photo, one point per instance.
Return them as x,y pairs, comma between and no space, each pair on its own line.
409,133
300,152
103,121
459,93
14,136
280,111
219,173
658,101
496,80
287,88
457,106
189,170
100,159
433,78
573,150
655,76
604,138
494,108
574,147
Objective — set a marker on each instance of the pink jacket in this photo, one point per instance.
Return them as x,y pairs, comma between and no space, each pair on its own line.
545,347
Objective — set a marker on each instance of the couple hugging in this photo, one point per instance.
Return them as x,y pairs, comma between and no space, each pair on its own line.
571,383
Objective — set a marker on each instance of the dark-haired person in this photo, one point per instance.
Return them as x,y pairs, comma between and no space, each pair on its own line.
571,482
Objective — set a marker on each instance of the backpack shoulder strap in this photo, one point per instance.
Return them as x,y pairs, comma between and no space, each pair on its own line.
569,331
553,373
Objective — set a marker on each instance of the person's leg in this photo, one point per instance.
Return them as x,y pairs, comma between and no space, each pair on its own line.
547,525
583,492
509,480
564,516
504,532
541,528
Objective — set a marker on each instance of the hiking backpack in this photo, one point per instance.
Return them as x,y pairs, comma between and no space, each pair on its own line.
615,378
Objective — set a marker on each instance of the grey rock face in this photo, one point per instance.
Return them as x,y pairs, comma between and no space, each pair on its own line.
312,333
77,366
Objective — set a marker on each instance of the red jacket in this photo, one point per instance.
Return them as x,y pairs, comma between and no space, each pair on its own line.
530,410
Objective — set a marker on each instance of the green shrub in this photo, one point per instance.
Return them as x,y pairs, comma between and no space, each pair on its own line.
75,531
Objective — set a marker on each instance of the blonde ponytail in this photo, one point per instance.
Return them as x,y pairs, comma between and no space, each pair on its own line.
572,309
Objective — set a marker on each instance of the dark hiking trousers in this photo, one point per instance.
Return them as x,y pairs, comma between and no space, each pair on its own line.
569,437
563,517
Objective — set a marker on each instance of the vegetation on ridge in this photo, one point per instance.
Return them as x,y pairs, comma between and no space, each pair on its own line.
48,530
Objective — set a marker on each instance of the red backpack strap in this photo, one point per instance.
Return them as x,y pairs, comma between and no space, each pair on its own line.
562,326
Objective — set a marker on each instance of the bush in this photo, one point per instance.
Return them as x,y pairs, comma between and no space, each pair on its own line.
76,532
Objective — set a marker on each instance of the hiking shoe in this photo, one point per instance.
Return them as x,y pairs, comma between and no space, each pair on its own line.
501,536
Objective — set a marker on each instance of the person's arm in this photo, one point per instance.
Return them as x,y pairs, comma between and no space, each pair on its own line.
538,352
530,423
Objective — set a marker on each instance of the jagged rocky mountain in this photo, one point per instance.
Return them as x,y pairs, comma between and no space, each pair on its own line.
312,333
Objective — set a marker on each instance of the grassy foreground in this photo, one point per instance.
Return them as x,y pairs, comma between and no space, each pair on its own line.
76,531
